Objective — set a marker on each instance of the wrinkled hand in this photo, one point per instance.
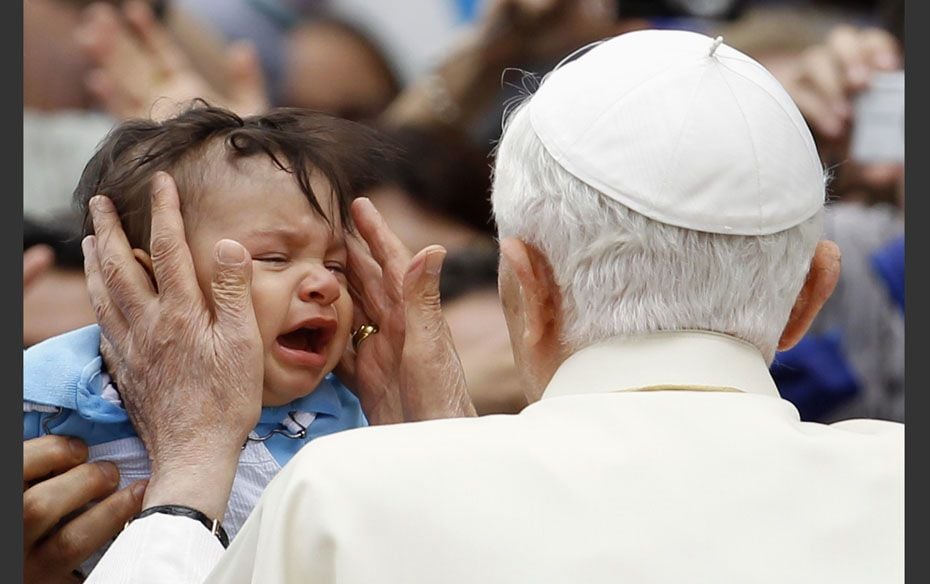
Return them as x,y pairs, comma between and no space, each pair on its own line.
58,483
824,78
189,369
140,71
409,370
36,261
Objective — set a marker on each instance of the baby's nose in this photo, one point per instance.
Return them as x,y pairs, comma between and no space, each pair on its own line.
319,285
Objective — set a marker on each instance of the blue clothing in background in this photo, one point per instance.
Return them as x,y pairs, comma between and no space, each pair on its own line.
467,9
889,263
814,376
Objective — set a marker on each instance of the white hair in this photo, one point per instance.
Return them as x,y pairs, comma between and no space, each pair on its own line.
621,273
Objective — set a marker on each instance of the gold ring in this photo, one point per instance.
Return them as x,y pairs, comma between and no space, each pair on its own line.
362,333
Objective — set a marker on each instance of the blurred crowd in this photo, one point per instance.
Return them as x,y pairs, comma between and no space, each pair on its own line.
437,76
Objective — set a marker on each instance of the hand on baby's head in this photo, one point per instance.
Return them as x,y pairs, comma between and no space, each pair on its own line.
280,185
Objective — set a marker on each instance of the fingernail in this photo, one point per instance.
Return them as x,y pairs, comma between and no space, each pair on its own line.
89,245
102,203
138,489
159,182
229,252
77,448
416,267
434,261
109,469
367,202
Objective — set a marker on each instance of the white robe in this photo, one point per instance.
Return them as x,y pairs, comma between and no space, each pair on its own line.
667,458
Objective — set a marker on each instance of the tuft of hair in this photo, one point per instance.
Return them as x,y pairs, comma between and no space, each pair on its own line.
298,141
622,274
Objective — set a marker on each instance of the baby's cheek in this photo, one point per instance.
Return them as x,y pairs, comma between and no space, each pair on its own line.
345,311
269,308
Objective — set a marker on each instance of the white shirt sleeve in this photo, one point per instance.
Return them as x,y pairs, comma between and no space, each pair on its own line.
157,549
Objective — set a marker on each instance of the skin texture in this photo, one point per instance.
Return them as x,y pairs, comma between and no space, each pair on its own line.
179,330
191,371
531,306
298,260
394,371
57,483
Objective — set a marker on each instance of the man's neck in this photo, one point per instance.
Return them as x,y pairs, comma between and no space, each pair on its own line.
692,360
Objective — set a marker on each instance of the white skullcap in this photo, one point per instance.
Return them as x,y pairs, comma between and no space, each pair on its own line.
684,130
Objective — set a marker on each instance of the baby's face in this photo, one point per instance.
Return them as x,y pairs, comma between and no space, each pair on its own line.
299,292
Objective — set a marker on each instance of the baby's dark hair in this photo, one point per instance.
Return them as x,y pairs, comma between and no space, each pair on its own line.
297,141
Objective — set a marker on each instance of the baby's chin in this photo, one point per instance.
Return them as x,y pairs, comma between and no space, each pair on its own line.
284,384
281,392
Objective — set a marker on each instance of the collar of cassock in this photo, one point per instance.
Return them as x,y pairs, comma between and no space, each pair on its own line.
680,360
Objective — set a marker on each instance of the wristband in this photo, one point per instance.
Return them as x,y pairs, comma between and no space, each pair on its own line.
215,527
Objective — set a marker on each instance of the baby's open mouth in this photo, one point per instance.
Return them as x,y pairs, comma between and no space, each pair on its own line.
313,340
307,344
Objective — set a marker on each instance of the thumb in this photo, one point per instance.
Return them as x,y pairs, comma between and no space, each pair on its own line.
432,377
246,80
421,289
232,284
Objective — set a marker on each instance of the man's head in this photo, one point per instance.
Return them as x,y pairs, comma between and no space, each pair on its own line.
334,67
658,183
280,185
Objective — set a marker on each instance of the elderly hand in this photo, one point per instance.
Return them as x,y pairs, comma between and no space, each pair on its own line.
57,484
409,370
140,71
823,80
189,370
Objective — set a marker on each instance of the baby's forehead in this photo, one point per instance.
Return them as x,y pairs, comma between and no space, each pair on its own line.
222,183
294,235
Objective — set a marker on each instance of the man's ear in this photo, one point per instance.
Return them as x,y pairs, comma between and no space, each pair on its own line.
538,288
145,259
819,285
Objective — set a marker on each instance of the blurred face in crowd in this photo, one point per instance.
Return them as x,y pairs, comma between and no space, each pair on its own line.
53,67
333,70
870,183
302,305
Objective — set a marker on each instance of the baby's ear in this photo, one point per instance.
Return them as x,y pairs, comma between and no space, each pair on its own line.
145,259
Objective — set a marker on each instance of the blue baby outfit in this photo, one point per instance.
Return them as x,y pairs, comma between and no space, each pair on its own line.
66,391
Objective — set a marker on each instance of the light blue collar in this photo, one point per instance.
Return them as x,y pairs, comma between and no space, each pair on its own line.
67,371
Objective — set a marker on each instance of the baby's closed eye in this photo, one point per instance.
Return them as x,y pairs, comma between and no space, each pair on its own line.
336,267
274,259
